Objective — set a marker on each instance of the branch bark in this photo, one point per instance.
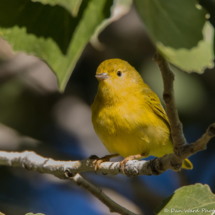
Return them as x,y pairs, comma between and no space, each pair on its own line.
169,99
61,169
182,149
98,193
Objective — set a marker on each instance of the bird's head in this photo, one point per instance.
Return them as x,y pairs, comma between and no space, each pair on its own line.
118,77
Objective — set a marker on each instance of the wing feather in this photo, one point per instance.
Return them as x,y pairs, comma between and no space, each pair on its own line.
154,102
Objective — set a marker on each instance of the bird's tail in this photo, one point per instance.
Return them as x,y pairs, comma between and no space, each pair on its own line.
187,164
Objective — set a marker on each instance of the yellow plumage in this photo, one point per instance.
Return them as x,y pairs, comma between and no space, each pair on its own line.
127,115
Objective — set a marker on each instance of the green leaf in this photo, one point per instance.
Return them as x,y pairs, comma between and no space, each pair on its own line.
196,59
71,5
180,32
51,32
175,23
193,199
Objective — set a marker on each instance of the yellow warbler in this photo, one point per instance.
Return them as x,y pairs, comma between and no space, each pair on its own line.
128,116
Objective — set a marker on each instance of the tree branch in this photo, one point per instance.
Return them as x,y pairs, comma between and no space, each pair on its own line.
98,193
61,169
182,149
169,99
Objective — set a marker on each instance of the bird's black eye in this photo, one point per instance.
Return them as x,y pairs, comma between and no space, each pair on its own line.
119,73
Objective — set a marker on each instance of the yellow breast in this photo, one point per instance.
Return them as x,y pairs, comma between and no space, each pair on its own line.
131,127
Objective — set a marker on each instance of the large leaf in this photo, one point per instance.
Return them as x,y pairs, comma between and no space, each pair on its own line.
175,23
180,32
196,59
51,32
71,5
193,199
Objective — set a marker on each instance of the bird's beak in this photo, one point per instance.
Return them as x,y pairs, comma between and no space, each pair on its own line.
102,76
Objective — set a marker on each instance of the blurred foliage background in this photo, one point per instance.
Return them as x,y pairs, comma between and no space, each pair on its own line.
35,116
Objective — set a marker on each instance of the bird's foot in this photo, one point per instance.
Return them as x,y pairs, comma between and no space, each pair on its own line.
129,158
97,161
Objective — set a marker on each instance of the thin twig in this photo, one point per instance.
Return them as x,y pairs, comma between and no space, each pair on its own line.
182,149
169,99
98,193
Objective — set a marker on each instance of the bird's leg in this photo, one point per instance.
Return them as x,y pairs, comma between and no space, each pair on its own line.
98,160
129,158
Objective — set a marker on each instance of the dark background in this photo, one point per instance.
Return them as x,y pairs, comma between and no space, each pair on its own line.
35,116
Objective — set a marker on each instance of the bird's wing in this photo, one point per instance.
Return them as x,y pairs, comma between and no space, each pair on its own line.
154,102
